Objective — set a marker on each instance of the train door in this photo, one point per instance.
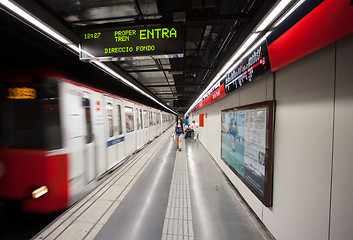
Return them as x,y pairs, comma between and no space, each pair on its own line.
141,127
150,128
145,126
130,129
98,129
162,122
120,141
74,136
154,127
159,124
89,154
138,128
110,134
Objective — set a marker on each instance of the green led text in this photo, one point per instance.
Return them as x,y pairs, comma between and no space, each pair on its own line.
92,35
118,50
124,36
158,33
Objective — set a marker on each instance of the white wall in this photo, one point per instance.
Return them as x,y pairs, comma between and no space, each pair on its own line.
342,186
309,137
303,148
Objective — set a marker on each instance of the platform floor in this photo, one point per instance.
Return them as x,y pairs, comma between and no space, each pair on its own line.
161,193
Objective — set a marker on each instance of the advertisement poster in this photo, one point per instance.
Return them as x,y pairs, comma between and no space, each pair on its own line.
246,137
233,140
255,148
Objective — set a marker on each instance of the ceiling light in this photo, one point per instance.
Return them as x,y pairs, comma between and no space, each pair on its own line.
289,12
74,48
37,23
273,14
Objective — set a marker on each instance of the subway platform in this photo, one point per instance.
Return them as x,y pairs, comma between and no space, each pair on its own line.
161,193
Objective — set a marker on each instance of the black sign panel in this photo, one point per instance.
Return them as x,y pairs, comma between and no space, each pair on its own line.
251,67
131,41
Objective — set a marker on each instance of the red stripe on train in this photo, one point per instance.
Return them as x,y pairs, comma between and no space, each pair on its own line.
25,170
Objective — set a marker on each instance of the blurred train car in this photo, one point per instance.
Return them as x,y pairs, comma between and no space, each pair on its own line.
59,136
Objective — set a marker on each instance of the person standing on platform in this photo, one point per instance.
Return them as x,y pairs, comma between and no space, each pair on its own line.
186,122
179,132
195,127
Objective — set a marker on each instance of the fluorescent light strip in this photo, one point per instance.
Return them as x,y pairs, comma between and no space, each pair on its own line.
74,48
289,13
28,17
274,13
14,8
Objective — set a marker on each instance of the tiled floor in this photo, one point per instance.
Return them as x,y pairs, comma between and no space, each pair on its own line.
161,194
178,218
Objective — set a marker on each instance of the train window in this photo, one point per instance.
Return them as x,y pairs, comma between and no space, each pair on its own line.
110,119
145,118
86,104
31,122
129,117
141,118
137,119
150,117
120,128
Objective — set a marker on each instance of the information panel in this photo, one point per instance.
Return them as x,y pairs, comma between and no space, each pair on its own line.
252,66
247,136
133,41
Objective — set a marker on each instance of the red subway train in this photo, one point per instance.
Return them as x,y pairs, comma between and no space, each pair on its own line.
58,136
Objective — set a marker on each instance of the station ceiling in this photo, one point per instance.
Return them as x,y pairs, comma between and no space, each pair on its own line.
212,30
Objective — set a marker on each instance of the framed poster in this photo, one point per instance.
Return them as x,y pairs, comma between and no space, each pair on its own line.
247,146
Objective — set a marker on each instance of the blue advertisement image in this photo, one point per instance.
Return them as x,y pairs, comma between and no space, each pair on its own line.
233,140
244,144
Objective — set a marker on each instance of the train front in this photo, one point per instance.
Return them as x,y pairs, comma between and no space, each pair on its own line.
33,168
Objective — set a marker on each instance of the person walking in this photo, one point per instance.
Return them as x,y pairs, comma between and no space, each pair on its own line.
179,132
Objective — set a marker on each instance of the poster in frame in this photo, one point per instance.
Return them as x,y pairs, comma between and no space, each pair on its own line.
247,146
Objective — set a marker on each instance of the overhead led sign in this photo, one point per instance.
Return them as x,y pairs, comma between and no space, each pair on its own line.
134,41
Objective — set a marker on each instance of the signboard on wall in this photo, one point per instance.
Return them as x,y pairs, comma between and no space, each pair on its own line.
201,120
255,64
250,67
133,41
247,141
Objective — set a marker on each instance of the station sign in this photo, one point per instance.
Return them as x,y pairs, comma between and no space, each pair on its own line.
251,66
255,64
135,41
